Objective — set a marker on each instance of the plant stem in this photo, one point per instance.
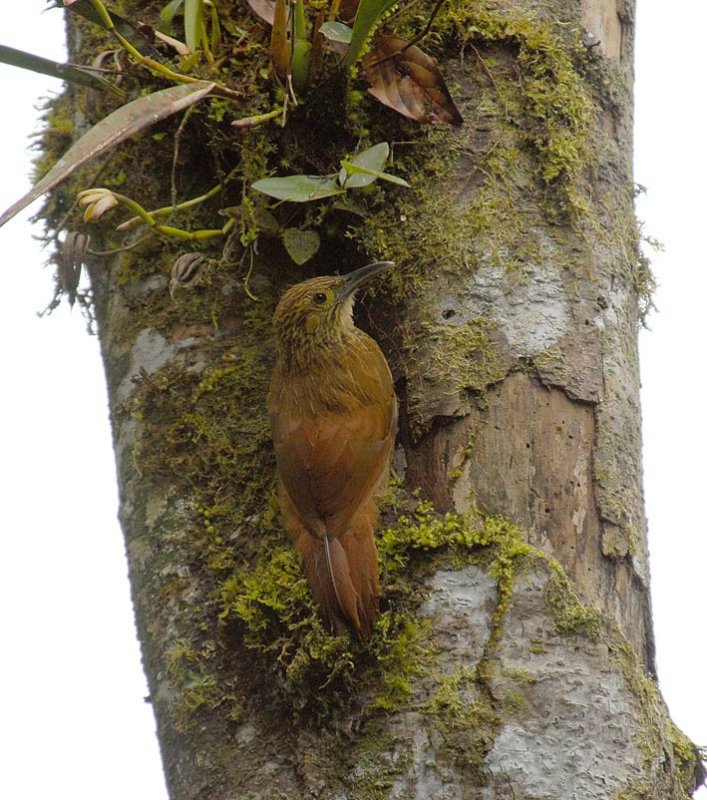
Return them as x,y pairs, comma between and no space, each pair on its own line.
258,119
168,230
161,212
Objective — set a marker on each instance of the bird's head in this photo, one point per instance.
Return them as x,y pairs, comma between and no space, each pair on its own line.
319,311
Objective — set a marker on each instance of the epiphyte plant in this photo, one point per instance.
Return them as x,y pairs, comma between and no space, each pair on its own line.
309,42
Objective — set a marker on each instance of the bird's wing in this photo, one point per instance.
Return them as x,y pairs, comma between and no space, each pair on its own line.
332,465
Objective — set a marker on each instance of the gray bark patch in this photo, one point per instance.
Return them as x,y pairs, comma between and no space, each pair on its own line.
572,736
461,603
150,352
531,308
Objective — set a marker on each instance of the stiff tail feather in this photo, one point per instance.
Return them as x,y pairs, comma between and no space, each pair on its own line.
360,549
340,577
343,578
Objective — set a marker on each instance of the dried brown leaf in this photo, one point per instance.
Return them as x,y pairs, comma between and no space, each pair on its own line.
187,271
121,124
71,259
265,9
407,80
179,47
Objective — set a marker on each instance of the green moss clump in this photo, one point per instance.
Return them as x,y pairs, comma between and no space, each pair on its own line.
551,360
688,759
537,647
55,138
403,651
637,789
193,675
465,717
277,619
471,354
196,436
658,738
374,763
571,616
530,89
554,98
645,283
197,443
492,542
518,674
269,604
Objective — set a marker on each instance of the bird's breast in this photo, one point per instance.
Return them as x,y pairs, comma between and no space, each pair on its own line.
333,431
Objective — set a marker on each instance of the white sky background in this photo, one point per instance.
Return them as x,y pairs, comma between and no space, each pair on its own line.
74,722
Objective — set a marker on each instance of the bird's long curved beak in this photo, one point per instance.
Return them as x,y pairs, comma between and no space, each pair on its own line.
358,277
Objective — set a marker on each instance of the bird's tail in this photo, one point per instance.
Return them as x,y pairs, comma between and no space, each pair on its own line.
343,575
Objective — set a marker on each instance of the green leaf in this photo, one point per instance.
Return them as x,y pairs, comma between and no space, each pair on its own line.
167,15
64,72
354,170
368,14
86,9
280,48
350,206
374,158
194,24
115,128
298,188
216,38
336,32
301,245
301,48
367,167
265,220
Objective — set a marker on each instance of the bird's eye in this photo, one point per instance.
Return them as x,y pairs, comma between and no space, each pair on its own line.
319,298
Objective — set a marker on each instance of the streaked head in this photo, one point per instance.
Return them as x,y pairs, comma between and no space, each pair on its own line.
320,310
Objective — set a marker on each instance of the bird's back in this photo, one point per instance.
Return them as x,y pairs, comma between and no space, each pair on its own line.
334,428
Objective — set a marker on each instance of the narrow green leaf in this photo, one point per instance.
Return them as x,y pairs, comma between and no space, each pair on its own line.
115,128
301,48
194,24
298,188
301,245
368,14
336,32
280,49
64,72
349,180
86,9
168,14
215,31
373,158
354,170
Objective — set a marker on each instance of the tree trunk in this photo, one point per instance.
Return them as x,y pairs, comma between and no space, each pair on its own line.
514,654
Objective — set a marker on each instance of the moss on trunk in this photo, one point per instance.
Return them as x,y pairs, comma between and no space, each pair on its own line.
519,280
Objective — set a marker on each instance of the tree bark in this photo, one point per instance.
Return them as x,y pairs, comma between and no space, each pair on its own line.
514,656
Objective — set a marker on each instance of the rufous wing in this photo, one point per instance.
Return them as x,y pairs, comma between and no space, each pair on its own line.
333,465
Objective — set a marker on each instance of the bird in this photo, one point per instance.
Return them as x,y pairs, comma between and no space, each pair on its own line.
333,415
